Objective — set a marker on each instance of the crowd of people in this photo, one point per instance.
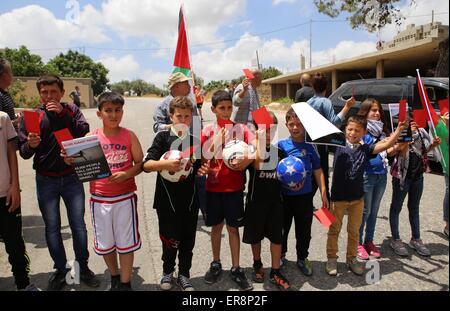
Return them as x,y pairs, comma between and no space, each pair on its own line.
214,187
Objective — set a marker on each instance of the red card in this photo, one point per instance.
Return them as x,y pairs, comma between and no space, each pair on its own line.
248,73
32,121
62,135
262,117
420,117
443,106
222,122
325,217
402,111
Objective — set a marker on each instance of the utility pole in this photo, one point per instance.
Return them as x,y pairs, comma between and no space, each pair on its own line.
432,17
310,43
257,60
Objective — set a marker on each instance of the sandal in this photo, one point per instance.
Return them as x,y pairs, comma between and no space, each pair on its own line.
258,274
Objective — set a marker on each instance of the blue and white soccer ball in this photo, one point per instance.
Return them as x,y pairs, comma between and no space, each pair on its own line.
291,173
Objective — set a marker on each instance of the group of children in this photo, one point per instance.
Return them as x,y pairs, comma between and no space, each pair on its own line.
265,212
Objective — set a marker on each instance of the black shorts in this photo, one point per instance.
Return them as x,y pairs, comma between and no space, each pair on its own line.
263,219
199,105
228,206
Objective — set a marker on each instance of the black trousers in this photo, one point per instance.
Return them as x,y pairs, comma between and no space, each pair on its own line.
177,231
299,208
11,231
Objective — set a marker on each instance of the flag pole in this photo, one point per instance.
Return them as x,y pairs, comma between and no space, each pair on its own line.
433,128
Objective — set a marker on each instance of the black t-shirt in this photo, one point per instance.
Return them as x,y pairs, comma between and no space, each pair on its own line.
76,98
264,185
304,94
415,166
177,195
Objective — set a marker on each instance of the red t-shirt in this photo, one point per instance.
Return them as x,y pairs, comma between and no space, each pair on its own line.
225,179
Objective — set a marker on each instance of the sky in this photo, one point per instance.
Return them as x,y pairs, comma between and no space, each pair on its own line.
137,38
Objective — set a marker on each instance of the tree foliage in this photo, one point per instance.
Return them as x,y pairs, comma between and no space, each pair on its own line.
369,14
74,64
25,64
270,72
139,86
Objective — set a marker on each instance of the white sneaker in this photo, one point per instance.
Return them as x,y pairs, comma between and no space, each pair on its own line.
166,281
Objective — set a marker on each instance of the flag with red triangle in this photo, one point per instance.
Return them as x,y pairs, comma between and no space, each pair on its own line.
437,125
181,61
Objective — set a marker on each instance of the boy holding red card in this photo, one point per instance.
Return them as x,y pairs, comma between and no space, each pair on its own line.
55,179
245,97
264,208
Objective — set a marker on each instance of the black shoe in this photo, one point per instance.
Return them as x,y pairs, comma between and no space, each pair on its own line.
88,277
125,287
115,283
239,277
213,273
57,280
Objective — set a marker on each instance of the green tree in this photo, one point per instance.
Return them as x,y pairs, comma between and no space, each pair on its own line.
270,72
140,87
369,14
24,63
121,87
74,64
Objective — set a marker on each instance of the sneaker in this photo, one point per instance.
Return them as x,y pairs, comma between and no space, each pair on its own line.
399,248
166,281
57,280
184,283
331,266
278,279
115,283
362,253
258,274
420,248
213,273
371,249
125,287
305,266
445,232
89,278
239,277
355,266
31,288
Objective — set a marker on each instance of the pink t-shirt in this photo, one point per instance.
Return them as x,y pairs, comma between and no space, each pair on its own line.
226,179
118,154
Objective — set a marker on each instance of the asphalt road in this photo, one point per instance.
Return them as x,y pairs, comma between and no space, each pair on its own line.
412,273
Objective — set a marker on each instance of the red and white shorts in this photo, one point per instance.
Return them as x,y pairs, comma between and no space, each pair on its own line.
115,223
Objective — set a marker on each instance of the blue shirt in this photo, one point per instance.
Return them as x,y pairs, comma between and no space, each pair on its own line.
375,164
348,172
324,106
305,152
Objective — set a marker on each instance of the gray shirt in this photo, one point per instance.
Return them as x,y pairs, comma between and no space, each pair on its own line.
242,107
162,115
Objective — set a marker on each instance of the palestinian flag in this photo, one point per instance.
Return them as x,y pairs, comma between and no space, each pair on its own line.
181,61
437,125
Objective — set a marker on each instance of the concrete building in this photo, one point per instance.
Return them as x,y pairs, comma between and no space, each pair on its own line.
415,47
85,85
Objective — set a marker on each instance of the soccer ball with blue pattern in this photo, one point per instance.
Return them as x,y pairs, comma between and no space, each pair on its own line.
291,173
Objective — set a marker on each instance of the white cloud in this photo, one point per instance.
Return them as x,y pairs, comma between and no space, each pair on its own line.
414,15
228,63
122,68
159,19
39,29
276,2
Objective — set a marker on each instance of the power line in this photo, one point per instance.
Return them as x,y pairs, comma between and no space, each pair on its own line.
215,42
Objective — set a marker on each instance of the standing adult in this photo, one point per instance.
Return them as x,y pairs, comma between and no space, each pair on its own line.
306,91
6,101
55,179
76,96
178,86
324,106
246,99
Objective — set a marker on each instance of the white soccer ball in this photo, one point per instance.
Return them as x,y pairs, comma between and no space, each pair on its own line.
182,174
234,150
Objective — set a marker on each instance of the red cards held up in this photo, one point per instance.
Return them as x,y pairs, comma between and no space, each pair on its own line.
248,73
402,111
420,117
62,135
262,117
325,217
32,122
443,106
